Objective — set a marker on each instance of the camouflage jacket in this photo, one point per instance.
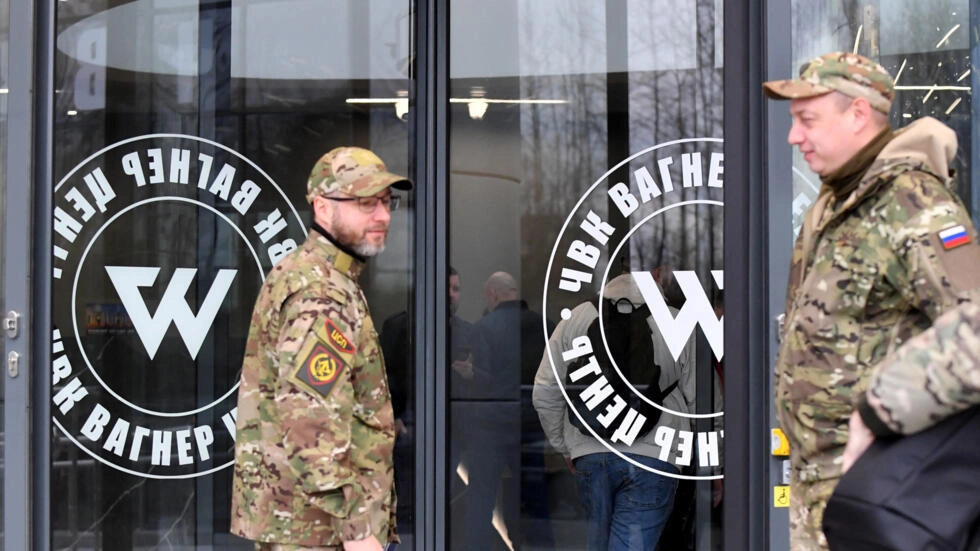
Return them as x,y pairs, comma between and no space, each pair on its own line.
929,378
868,274
315,430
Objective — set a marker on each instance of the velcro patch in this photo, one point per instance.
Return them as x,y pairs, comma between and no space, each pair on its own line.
320,370
953,237
337,337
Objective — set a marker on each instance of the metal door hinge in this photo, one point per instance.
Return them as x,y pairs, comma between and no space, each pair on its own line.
11,324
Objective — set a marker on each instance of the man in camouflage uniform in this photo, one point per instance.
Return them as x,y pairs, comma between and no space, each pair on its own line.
886,249
315,430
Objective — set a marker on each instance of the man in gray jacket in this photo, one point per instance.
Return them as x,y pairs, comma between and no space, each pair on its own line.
630,515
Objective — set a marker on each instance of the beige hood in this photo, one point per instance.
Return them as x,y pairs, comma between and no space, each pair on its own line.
623,286
925,140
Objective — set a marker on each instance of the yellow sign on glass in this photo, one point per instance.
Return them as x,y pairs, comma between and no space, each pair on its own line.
780,496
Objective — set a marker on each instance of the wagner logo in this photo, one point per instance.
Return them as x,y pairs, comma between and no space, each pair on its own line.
173,307
323,368
697,310
648,231
161,244
338,338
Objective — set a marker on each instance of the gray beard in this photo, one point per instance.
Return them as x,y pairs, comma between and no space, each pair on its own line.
343,235
366,250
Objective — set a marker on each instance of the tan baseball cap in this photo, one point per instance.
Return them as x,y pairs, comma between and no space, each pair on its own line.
352,170
850,74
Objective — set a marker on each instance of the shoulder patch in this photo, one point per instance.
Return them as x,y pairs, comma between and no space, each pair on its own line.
320,370
953,237
337,338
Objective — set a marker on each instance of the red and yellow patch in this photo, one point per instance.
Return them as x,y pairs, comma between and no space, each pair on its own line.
320,370
336,336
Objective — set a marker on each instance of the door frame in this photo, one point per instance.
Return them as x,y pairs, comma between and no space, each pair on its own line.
778,160
431,172
26,272
747,396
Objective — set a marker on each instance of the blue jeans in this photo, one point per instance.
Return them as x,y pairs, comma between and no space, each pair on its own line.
628,506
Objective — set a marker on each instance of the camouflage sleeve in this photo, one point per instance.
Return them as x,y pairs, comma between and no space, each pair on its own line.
935,270
939,260
934,375
315,399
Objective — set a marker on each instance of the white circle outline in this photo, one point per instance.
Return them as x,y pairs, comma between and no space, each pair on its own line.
544,302
141,474
78,167
192,138
74,293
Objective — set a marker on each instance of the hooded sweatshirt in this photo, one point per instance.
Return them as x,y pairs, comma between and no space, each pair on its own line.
553,411
870,271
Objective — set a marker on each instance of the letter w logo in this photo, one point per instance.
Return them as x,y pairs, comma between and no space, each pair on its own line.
173,306
696,311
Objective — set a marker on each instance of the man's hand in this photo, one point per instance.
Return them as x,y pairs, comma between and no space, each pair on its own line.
859,437
464,368
400,427
368,544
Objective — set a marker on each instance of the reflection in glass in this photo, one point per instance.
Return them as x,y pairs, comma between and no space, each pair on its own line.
184,134
926,48
587,93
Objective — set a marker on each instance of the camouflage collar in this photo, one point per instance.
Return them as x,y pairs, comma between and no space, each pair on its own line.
320,243
845,179
879,174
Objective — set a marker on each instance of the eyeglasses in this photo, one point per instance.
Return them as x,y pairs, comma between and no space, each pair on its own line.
369,204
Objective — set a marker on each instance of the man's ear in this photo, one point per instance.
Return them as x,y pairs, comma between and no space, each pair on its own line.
322,213
862,113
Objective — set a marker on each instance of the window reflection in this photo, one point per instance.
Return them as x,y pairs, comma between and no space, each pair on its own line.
516,176
249,79
925,46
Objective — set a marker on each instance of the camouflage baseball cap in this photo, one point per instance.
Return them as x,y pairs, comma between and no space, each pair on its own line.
850,74
354,171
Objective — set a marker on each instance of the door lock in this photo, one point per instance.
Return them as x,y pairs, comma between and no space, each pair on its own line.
13,364
11,324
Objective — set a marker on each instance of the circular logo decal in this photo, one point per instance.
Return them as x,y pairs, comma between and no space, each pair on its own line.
643,248
323,368
161,244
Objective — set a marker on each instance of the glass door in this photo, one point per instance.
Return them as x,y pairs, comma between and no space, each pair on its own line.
585,202
930,49
184,134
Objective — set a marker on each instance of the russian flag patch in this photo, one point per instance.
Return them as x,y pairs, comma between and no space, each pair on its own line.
954,237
